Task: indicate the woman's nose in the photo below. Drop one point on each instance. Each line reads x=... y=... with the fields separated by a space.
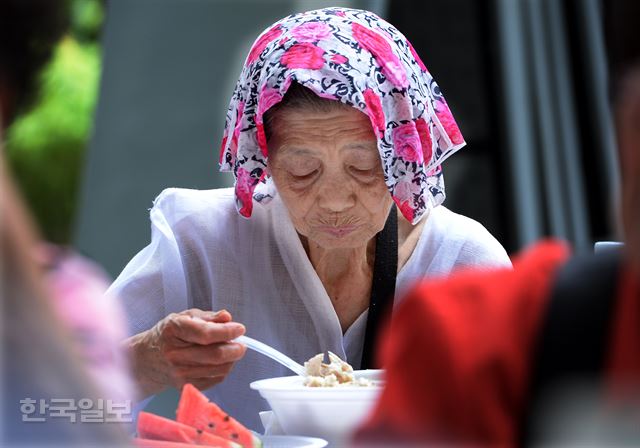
x=336 y=195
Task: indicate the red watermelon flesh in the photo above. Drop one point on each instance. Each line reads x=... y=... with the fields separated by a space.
x=195 y=409
x=150 y=443
x=151 y=426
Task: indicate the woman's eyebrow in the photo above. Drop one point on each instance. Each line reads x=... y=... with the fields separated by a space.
x=364 y=145
x=296 y=151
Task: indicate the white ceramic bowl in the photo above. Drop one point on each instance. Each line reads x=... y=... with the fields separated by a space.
x=331 y=413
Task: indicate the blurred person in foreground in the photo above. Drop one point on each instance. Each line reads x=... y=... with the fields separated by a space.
x=547 y=353
x=59 y=336
x=334 y=119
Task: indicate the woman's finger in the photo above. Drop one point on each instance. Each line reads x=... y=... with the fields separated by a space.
x=186 y=373
x=220 y=316
x=206 y=355
x=198 y=331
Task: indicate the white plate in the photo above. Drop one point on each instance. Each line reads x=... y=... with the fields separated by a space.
x=292 y=442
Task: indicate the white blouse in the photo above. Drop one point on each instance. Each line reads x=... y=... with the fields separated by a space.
x=203 y=254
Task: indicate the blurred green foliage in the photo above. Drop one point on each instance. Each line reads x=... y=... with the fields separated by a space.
x=46 y=143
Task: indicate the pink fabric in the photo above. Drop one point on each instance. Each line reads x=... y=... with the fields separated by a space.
x=94 y=320
x=407 y=142
x=375 y=111
x=262 y=42
x=425 y=138
x=311 y=31
x=339 y=59
x=304 y=55
x=380 y=48
x=268 y=98
x=244 y=188
x=450 y=126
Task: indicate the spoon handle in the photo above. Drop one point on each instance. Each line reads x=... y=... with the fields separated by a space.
x=272 y=353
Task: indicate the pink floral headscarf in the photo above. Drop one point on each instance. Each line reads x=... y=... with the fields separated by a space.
x=357 y=58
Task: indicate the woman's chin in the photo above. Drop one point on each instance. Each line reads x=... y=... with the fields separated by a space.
x=330 y=239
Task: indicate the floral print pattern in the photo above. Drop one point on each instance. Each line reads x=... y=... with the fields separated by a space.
x=375 y=111
x=355 y=57
x=381 y=50
x=304 y=55
x=311 y=31
x=262 y=42
x=425 y=138
x=406 y=142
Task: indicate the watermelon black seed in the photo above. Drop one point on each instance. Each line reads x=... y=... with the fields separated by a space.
x=226 y=418
x=234 y=435
x=211 y=425
x=199 y=431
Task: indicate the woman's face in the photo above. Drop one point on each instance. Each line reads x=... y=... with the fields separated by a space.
x=327 y=170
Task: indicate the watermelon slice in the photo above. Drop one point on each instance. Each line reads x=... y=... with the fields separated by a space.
x=150 y=443
x=195 y=409
x=151 y=426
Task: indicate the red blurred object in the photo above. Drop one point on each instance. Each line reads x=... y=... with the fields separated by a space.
x=459 y=353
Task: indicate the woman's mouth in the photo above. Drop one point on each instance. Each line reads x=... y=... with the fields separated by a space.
x=338 y=231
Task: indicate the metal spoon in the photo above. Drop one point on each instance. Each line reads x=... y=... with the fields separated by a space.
x=272 y=353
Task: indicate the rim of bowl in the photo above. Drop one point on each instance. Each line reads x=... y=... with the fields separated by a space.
x=283 y=383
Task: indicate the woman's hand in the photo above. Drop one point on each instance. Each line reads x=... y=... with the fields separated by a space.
x=188 y=347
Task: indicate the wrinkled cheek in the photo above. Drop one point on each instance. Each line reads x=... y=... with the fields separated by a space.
x=299 y=205
x=378 y=201
x=378 y=195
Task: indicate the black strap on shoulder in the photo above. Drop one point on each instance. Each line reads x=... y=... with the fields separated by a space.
x=383 y=287
x=574 y=334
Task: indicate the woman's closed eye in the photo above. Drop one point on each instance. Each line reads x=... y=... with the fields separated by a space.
x=304 y=175
x=363 y=170
x=302 y=179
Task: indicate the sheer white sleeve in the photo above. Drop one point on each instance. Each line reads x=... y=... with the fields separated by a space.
x=153 y=284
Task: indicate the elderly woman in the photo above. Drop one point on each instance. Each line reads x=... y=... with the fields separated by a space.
x=335 y=135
